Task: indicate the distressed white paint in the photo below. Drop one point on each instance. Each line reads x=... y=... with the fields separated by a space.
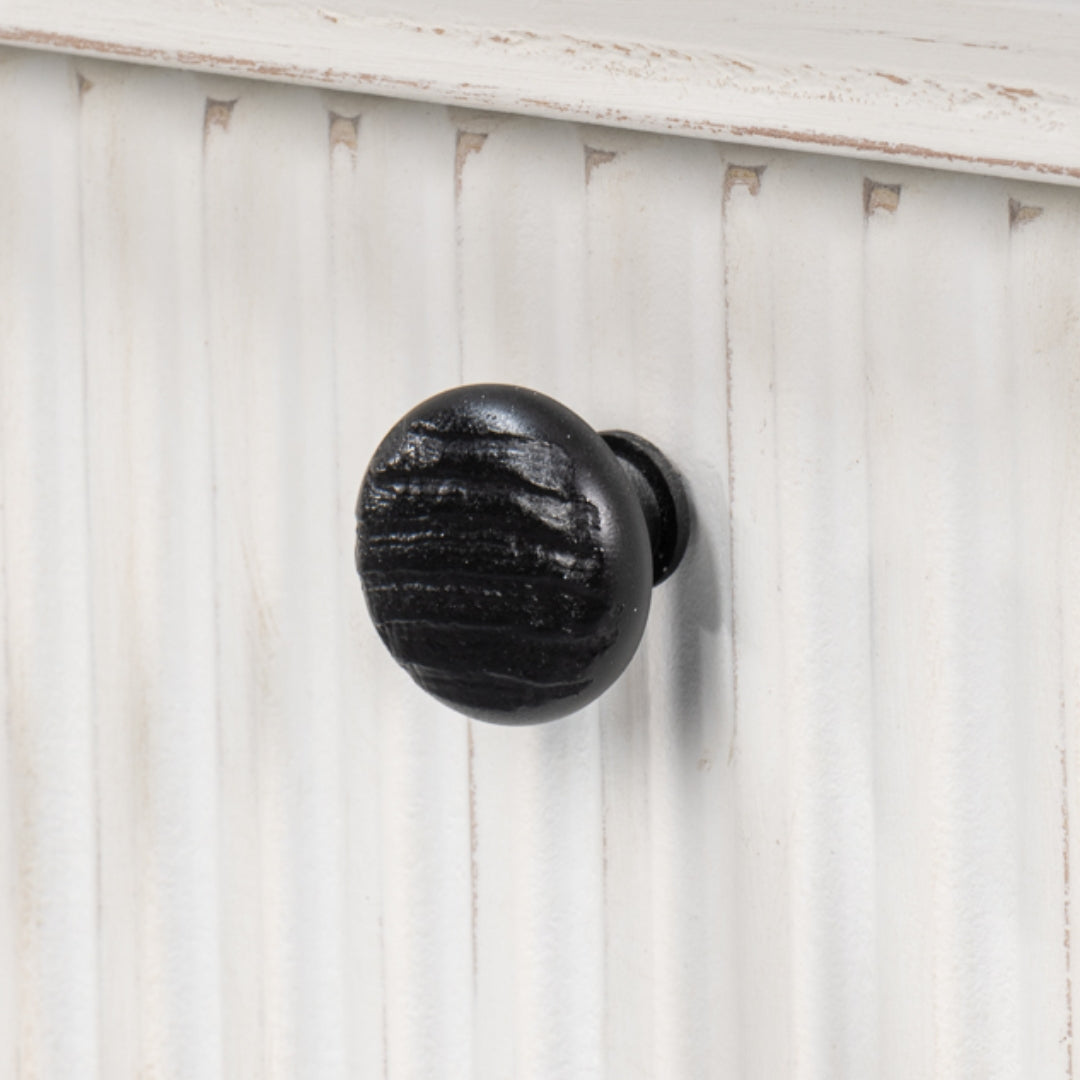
x=988 y=86
x=821 y=827
x=49 y=905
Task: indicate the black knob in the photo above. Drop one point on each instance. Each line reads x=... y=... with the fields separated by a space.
x=508 y=551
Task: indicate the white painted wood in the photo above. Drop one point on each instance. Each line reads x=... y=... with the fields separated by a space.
x=1044 y=263
x=978 y=85
x=149 y=489
x=822 y=826
x=49 y=793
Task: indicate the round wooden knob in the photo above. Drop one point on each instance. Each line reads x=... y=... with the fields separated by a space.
x=507 y=551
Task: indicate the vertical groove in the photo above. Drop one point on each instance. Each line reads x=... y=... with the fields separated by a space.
x=593 y=159
x=9 y=966
x=731 y=496
x=84 y=85
x=1066 y=835
x=218 y=586
x=1067 y=904
x=474 y=865
x=383 y=1018
x=218 y=714
x=343 y=132
x=763 y=777
x=466 y=144
x=1066 y=832
x=241 y=966
x=871 y=627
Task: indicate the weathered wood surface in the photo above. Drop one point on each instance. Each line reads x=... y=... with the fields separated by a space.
x=987 y=86
x=823 y=825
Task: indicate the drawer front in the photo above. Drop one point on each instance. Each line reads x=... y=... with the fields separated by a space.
x=820 y=828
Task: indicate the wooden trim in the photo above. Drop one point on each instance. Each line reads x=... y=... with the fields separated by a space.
x=957 y=85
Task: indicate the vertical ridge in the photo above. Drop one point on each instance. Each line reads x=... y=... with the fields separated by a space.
x=270 y=330
x=761 y=777
x=823 y=606
x=950 y=684
x=360 y=779
x=148 y=463
x=241 y=862
x=1043 y=273
x=47 y=646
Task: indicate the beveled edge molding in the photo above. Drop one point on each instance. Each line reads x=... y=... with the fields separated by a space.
x=994 y=92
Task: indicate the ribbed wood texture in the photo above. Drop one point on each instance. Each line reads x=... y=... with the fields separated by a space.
x=822 y=826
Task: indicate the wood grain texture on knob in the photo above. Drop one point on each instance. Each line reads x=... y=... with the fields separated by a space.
x=504 y=553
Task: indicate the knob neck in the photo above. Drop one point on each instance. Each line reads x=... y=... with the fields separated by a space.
x=662 y=496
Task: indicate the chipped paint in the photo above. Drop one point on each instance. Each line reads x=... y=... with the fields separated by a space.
x=344 y=132
x=217 y=115
x=468 y=142
x=743 y=176
x=1013 y=91
x=880 y=197
x=594 y=159
x=1019 y=214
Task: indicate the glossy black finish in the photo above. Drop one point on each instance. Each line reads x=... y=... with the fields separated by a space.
x=508 y=552
x=661 y=495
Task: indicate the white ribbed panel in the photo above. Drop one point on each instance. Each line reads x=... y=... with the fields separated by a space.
x=49 y=899
x=821 y=827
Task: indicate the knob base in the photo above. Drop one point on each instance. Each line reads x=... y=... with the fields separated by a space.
x=660 y=491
